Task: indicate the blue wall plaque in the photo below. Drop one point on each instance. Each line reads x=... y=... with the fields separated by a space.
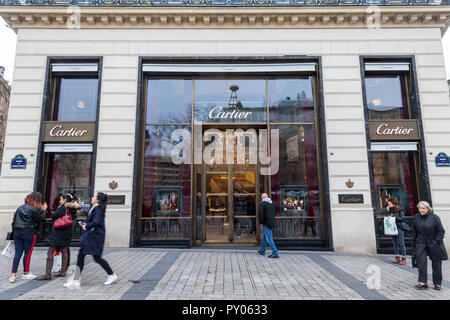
x=19 y=162
x=442 y=160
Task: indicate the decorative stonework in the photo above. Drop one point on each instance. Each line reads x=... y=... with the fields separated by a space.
x=221 y=3
x=256 y=17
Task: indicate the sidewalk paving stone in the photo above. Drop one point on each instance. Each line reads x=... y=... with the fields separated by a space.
x=206 y=274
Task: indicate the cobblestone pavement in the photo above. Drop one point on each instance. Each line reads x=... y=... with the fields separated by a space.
x=218 y=274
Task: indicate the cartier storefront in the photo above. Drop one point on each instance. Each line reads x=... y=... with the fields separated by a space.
x=215 y=140
x=184 y=114
x=66 y=152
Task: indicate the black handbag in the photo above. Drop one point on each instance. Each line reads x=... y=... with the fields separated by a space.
x=10 y=235
x=413 y=260
x=444 y=251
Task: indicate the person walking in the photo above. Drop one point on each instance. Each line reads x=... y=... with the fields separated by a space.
x=73 y=207
x=25 y=222
x=398 y=240
x=428 y=240
x=59 y=240
x=266 y=215
x=92 y=241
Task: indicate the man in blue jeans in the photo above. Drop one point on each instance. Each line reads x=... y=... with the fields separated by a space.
x=266 y=217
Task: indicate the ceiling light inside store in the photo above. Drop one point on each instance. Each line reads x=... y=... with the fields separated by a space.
x=376 y=102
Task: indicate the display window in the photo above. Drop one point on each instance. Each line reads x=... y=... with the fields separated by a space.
x=394 y=159
x=67 y=151
x=230 y=113
x=76 y=99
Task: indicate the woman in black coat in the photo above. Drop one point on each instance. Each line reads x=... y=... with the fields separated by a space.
x=59 y=239
x=428 y=240
x=92 y=241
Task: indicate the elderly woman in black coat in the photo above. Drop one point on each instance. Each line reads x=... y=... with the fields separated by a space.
x=428 y=240
x=59 y=239
x=92 y=241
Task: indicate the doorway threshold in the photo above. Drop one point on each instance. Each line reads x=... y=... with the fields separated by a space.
x=228 y=246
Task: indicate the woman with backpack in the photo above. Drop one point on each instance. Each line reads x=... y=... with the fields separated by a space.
x=59 y=240
x=92 y=241
x=26 y=219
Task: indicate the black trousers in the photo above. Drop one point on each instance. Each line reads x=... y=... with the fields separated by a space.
x=98 y=259
x=422 y=264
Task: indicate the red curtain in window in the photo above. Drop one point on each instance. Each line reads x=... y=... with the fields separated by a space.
x=410 y=184
x=55 y=179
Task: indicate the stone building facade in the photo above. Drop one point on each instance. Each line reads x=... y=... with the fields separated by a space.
x=107 y=86
x=5 y=90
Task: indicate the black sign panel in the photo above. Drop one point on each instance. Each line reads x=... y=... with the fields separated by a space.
x=116 y=199
x=351 y=198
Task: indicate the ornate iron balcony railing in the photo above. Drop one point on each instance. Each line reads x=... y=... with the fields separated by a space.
x=222 y=3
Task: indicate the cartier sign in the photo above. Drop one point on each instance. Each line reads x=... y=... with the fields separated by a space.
x=56 y=131
x=394 y=130
x=218 y=113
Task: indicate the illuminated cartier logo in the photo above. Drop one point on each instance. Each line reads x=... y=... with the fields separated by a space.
x=234 y=109
x=399 y=130
x=235 y=114
x=58 y=131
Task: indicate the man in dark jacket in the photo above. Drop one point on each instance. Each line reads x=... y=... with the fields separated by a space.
x=266 y=217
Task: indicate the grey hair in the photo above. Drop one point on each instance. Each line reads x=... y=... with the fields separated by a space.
x=425 y=204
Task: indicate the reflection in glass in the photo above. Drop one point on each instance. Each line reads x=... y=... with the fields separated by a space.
x=386 y=97
x=76 y=99
x=297 y=228
x=244 y=210
x=217 y=183
x=217 y=206
x=166 y=189
x=165 y=229
x=241 y=147
x=217 y=229
x=237 y=100
x=394 y=175
x=244 y=182
x=298 y=168
x=69 y=173
x=169 y=100
x=217 y=223
x=291 y=99
x=198 y=204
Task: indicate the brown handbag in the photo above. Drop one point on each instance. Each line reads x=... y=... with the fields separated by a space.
x=63 y=221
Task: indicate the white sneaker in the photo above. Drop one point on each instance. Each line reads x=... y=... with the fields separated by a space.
x=29 y=276
x=111 y=279
x=72 y=284
x=12 y=279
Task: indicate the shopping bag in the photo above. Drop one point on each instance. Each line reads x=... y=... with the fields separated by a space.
x=10 y=250
x=390 y=227
x=57 y=261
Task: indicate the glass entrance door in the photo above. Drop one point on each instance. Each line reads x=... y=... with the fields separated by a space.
x=231 y=189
